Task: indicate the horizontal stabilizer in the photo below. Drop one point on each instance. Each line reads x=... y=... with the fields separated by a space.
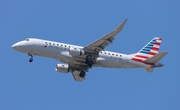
x=156 y=58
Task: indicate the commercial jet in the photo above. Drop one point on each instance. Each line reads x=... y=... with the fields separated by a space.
x=78 y=60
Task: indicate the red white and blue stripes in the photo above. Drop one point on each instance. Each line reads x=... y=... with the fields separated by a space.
x=149 y=50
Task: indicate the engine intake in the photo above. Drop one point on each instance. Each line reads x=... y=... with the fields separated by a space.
x=75 y=52
x=64 y=68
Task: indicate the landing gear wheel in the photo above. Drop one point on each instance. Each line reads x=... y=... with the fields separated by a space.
x=30 y=60
x=31 y=55
x=89 y=62
x=82 y=74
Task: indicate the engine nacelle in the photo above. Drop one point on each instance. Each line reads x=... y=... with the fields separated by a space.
x=75 y=52
x=64 y=68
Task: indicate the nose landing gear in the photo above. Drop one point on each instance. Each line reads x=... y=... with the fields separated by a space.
x=31 y=55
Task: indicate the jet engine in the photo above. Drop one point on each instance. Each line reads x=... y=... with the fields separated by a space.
x=64 y=68
x=75 y=52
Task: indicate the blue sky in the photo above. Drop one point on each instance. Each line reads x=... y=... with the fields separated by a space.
x=36 y=86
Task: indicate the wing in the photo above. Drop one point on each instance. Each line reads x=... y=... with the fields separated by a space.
x=77 y=69
x=92 y=52
x=103 y=42
x=77 y=76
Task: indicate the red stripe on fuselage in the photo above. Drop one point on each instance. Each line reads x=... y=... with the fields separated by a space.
x=141 y=56
x=136 y=59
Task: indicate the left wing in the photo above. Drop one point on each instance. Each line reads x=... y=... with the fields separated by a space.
x=103 y=42
x=77 y=76
x=76 y=70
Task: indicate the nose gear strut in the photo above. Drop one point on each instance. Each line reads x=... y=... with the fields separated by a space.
x=31 y=55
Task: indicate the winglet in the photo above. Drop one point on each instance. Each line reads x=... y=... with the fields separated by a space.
x=120 y=27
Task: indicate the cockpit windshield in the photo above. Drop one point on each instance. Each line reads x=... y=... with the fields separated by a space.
x=26 y=39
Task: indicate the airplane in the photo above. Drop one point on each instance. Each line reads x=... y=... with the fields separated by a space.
x=78 y=60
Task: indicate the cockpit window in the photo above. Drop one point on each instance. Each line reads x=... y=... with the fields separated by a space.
x=26 y=39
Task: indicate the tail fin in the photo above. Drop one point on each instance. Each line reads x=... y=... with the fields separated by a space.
x=152 y=47
x=149 y=50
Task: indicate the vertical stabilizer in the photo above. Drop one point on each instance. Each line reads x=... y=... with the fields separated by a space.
x=149 y=50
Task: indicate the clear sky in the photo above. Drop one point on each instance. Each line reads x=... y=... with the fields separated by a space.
x=37 y=86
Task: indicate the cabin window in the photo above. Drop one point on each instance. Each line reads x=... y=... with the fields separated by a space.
x=109 y=53
x=120 y=55
x=112 y=54
x=116 y=54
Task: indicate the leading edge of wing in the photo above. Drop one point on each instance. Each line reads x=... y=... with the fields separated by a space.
x=112 y=34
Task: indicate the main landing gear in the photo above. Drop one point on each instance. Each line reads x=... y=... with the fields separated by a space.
x=89 y=62
x=82 y=74
x=31 y=55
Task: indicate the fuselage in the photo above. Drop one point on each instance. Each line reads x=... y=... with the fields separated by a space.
x=60 y=51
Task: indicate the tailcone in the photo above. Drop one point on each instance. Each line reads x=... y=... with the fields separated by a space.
x=158 y=65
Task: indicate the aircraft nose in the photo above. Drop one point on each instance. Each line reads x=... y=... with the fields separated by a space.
x=15 y=46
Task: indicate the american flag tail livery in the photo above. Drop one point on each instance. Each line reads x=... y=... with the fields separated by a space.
x=149 y=54
x=149 y=50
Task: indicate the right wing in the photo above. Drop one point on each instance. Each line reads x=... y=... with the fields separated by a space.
x=103 y=42
x=92 y=52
